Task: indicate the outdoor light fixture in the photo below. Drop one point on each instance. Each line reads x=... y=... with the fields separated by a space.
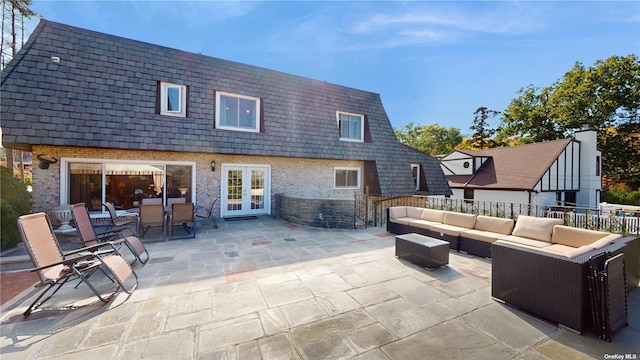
x=45 y=161
x=213 y=165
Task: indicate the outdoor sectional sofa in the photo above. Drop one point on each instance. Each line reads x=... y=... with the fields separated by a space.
x=464 y=232
x=538 y=265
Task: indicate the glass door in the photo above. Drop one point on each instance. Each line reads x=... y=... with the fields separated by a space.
x=246 y=191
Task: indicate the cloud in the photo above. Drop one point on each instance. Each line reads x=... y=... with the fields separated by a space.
x=387 y=25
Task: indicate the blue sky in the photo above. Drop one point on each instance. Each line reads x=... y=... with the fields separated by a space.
x=430 y=61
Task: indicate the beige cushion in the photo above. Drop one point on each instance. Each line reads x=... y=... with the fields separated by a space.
x=401 y=220
x=424 y=224
x=414 y=212
x=544 y=243
x=447 y=229
x=459 y=219
x=575 y=237
x=524 y=241
x=567 y=251
x=535 y=228
x=607 y=240
x=397 y=212
x=486 y=236
x=433 y=215
x=494 y=224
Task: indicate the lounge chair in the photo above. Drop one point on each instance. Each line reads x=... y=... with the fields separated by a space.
x=56 y=268
x=115 y=237
x=183 y=214
x=207 y=213
x=119 y=222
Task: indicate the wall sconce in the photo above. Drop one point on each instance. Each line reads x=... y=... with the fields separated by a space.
x=213 y=165
x=45 y=161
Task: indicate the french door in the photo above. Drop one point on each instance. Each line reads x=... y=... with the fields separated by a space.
x=246 y=190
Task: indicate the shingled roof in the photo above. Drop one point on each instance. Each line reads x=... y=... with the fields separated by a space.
x=511 y=168
x=103 y=90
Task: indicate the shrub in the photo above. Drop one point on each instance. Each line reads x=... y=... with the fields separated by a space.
x=621 y=197
x=15 y=201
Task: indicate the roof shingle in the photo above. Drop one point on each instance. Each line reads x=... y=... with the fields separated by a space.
x=104 y=89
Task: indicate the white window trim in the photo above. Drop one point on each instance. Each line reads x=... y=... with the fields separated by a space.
x=237 y=128
x=335 y=170
x=416 y=166
x=338 y=113
x=64 y=174
x=163 y=99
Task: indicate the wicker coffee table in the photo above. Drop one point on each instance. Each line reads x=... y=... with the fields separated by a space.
x=422 y=250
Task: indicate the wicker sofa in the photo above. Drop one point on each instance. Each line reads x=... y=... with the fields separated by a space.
x=464 y=232
x=554 y=285
x=538 y=265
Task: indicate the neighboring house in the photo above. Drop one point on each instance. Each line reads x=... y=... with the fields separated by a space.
x=555 y=173
x=129 y=120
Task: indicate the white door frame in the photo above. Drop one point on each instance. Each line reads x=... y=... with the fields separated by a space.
x=246 y=198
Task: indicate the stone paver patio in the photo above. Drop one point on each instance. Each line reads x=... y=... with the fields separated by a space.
x=267 y=289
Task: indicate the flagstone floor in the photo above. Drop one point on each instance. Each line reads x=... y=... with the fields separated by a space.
x=267 y=289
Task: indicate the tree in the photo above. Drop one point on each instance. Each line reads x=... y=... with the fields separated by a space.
x=13 y=11
x=432 y=139
x=13 y=30
x=529 y=116
x=605 y=96
x=481 y=138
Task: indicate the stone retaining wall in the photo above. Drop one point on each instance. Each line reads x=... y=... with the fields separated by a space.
x=322 y=213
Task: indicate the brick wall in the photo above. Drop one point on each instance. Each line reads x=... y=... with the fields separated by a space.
x=304 y=178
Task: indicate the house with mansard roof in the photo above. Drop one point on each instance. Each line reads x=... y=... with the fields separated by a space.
x=127 y=120
x=563 y=172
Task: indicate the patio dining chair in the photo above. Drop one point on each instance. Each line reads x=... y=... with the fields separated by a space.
x=152 y=216
x=207 y=213
x=182 y=214
x=152 y=201
x=119 y=222
x=115 y=237
x=55 y=268
x=180 y=200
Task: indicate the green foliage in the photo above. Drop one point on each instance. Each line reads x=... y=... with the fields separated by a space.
x=15 y=201
x=621 y=197
x=605 y=96
x=481 y=138
x=431 y=139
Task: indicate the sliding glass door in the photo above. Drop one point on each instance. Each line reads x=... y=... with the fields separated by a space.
x=125 y=184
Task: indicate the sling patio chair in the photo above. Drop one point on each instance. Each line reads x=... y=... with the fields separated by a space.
x=207 y=213
x=152 y=215
x=115 y=237
x=119 y=222
x=55 y=268
x=182 y=214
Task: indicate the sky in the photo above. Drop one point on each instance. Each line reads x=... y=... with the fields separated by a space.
x=431 y=62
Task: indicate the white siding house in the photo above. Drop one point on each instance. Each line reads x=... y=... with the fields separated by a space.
x=563 y=172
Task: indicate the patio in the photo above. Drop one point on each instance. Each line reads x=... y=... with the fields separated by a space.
x=267 y=289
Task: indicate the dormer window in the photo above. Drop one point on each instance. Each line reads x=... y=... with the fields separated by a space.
x=173 y=99
x=351 y=126
x=237 y=112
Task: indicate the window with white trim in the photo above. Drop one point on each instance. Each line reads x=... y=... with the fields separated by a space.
x=415 y=171
x=347 y=178
x=173 y=99
x=351 y=126
x=237 y=112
